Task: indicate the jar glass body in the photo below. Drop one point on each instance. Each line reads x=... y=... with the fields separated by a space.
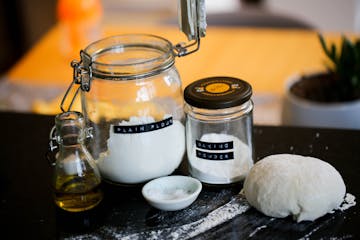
x=219 y=143
x=135 y=108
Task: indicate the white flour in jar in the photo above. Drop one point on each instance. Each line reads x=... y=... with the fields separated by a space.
x=221 y=171
x=138 y=157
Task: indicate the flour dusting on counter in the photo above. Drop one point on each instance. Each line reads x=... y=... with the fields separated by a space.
x=235 y=207
x=257 y=230
x=349 y=201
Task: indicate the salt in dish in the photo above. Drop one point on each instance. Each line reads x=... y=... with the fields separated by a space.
x=172 y=193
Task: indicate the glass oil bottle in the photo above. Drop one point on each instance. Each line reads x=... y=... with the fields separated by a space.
x=76 y=178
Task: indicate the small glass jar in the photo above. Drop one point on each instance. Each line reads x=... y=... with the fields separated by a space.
x=219 y=129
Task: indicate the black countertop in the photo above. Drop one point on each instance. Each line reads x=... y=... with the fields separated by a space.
x=27 y=210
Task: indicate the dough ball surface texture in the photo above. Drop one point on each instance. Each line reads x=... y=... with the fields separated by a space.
x=286 y=184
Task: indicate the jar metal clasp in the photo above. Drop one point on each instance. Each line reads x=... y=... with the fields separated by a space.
x=82 y=74
x=192 y=21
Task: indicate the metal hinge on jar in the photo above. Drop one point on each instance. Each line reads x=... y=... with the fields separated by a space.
x=192 y=22
x=82 y=74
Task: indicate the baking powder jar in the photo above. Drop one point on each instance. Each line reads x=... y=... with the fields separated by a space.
x=219 y=129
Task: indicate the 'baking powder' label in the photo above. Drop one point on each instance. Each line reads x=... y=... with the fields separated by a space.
x=129 y=129
x=214 y=145
x=214 y=150
x=215 y=155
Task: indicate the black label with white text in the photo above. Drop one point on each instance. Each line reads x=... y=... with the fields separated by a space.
x=215 y=155
x=129 y=129
x=214 y=145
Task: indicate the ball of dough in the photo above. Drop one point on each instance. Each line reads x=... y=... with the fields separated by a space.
x=285 y=184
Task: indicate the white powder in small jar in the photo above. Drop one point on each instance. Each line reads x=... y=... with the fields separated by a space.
x=137 y=157
x=221 y=171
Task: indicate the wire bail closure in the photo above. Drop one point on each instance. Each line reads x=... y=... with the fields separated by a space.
x=82 y=74
x=183 y=49
x=192 y=22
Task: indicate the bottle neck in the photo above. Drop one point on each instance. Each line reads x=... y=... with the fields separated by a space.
x=72 y=139
x=70 y=129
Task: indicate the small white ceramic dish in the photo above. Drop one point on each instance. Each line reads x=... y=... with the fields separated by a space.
x=172 y=193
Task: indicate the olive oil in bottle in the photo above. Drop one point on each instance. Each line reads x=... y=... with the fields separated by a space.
x=76 y=194
x=76 y=178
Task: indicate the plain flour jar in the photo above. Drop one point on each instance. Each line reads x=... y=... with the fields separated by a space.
x=219 y=129
x=131 y=96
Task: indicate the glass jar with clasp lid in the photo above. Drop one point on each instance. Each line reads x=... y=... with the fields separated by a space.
x=131 y=96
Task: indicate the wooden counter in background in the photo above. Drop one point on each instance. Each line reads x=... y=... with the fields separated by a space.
x=263 y=57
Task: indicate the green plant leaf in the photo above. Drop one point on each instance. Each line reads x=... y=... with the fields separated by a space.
x=357 y=57
x=355 y=81
x=333 y=53
x=329 y=53
x=346 y=67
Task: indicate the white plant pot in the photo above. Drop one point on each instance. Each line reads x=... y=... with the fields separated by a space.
x=301 y=112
